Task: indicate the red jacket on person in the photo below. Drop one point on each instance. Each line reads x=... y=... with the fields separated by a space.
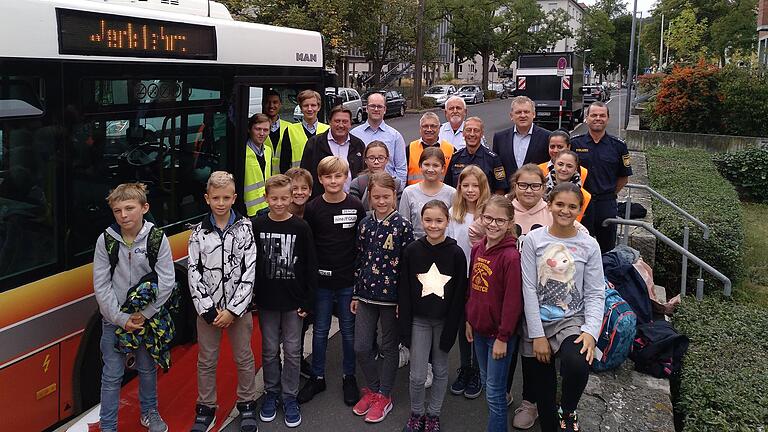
x=495 y=300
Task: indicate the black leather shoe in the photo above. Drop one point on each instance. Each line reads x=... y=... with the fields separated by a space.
x=312 y=387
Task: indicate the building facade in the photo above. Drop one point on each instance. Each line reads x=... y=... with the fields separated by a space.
x=575 y=12
x=762 y=32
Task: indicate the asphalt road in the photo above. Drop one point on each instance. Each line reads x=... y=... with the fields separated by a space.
x=327 y=412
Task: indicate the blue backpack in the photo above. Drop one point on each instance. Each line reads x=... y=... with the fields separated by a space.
x=616 y=333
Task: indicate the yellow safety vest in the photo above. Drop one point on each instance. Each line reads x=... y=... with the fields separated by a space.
x=277 y=148
x=254 y=191
x=299 y=140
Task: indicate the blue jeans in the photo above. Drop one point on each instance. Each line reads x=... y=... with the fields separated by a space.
x=112 y=378
x=494 y=374
x=324 y=303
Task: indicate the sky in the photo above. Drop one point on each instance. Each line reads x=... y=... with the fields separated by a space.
x=642 y=5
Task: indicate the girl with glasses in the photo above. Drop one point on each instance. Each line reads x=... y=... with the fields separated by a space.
x=563 y=288
x=494 y=305
x=376 y=157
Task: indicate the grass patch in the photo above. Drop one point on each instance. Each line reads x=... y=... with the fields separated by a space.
x=754 y=287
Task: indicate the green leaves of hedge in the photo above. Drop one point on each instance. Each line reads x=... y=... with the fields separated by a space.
x=747 y=170
x=725 y=373
x=689 y=178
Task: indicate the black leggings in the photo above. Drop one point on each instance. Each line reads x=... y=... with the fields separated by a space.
x=527 y=390
x=574 y=371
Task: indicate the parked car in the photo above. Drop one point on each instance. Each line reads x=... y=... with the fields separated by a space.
x=471 y=94
x=348 y=97
x=440 y=93
x=396 y=103
x=592 y=93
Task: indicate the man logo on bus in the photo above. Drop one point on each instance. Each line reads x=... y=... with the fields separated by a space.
x=306 y=57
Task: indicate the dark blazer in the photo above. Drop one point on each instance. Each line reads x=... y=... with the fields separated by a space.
x=317 y=148
x=538 y=149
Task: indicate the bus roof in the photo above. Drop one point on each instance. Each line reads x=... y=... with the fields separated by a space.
x=119 y=31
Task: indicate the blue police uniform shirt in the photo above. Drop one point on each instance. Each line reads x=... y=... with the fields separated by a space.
x=488 y=161
x=606 y=160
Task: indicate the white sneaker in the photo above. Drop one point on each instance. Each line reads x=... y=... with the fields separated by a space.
x=430 y=376
x=405 y=356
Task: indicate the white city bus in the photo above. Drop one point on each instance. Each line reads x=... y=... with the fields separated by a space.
x=93 y=94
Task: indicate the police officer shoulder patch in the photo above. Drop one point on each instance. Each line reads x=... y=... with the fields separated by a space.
x=498 y=172
x=627 y=160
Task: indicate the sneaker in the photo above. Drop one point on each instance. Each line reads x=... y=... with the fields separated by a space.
x=460 y=384
x=269 y=407
x=510 y=398
x=525 y=415
x=415 y=423
x=351 y=392
x=205 y=418
x=292 y=412
x=404 y=357
x=312 y=387
x=474 y=387
x=430 y=376
x=364 y=404
x=379 y=409
x=432 y=423
x=248 y=422
x=306 y=368
x=152 y=421
x=568 y=422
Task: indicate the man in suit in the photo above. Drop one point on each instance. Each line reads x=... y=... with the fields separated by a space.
x=524 y=142
x=337 y=141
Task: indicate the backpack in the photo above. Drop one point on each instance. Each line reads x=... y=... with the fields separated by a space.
x=658 y=349
x=616 y=333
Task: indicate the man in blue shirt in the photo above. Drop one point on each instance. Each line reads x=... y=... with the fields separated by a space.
x=376 y=129
x=476 y=154
x=609 y=164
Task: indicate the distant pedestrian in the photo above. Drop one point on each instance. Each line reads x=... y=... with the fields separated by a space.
x=610 y=165
x=431 y=299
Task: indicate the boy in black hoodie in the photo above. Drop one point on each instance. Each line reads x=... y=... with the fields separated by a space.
x=431 y=300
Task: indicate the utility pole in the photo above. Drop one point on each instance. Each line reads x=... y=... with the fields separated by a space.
x=661 y=43
x=637 y=54
x=631 y=65
x=418 y=66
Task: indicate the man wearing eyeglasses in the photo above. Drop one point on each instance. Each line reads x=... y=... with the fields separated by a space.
x=476 y=154
x=374 y=129
x=429 y=127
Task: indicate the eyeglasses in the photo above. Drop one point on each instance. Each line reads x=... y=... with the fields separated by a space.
x=430 y=126
x=532 y=186
x=376 y=107
x=376 y=159
x=492 y=220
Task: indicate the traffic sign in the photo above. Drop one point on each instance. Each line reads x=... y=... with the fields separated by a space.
x=521 y=83
x=562 y=63
x=566 y=83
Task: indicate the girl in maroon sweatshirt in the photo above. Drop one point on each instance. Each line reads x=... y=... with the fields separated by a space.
x=495 y=304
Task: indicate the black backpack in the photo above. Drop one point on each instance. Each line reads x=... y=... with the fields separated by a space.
x=154 y=240
x=658 y=349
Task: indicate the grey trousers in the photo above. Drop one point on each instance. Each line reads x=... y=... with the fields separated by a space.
x=425 y=339
x=276 y=328
x=209 y=344
x=380 y=377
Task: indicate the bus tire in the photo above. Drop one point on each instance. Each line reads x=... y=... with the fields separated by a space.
x=87 y=380
x=185 y=319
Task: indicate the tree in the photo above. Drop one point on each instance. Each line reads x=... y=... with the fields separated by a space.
x=685 y=35
x=596 y=34
x=385 y=31
x=502 y=27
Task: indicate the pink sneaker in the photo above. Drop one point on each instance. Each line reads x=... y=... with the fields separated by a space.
x=525 y=415
x=380 y=407
x=364 y=404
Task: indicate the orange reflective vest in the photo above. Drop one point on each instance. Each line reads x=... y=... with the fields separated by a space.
x=582 y=172
x=414 y=153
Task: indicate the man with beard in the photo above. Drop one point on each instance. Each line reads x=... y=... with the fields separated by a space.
x=609 y=164
x=452 y=131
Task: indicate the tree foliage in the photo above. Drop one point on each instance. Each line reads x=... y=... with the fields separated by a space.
x=685 y=35
x=597 y=35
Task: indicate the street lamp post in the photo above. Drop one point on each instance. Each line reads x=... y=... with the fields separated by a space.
x=631 y=65
x=637 y=54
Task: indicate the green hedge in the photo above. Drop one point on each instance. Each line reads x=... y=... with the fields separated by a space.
x=428 y=102
x=747 y=170
x=724 y=383
x=689 y=178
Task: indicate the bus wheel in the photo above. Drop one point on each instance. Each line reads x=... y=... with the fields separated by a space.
x=184 y=319
x=87 y=383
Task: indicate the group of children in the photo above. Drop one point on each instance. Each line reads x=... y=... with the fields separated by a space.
x=442 y=263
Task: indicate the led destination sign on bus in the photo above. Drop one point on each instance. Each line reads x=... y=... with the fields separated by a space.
x=89 y=33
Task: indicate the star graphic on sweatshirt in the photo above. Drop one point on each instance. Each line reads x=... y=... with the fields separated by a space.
x=433 y=282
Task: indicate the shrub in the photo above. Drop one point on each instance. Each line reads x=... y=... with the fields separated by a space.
x=745 y=94
x=649 y=83
x=490 y=94
x=688 y=100
x=747 y=170
x=428 y=102
x=724 y=386
x=689 y=178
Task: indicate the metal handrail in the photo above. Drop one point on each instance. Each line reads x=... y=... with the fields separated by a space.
x=686 y=231
x=671 y=243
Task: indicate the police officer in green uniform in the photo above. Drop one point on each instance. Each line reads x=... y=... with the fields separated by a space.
x=609 y=164
x=477 y=154
x=258 y=164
